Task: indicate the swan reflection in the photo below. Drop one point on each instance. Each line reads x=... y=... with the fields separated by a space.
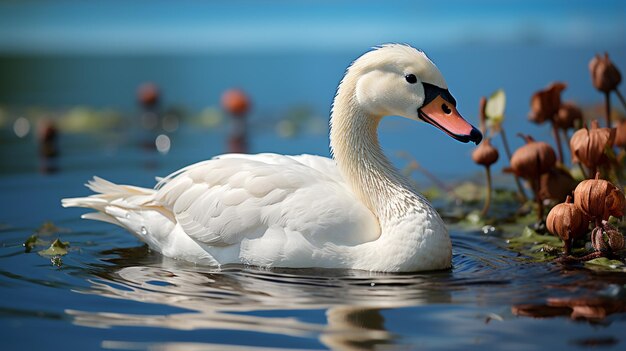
x=238 y=298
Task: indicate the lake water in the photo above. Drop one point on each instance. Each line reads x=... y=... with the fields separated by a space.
x=277 y=81
x=110 y=292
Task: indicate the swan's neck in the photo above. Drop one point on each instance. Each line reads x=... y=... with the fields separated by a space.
x=355 y=147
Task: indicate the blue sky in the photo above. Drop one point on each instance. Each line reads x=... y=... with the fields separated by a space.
x=187 y=26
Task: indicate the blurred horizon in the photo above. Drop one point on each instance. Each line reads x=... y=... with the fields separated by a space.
x=289 y=56
x=162 y=27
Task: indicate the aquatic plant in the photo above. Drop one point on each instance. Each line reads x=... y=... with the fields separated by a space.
x=148 y=95
x=492 y=115
x=545 y=105
x=569 y=116
x=620 y=134
x=568 y=222
x=235 y=102
x=591 y=146
x=485 y=154
x=530 y=162
x=556 y=184
x=606 y=77
x=599 y=199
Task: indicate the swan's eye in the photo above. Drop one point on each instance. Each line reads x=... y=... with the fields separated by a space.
x=411 y=78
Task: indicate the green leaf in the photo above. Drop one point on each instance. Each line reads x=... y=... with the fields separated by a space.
x=56 y=248
x=533 y=244
x=494 y=110
x=31 y=242
x=604 y=264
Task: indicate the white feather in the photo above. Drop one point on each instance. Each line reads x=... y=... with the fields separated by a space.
x=354 y=211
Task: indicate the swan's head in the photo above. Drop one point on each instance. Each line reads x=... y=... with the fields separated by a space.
x=402 y=81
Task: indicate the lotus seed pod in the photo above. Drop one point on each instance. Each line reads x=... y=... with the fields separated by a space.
x=568 y=114
x=616 y=239
x=545 y=103
x=620 y=134
x=604 y=74
x=597 y=240
x=615 y=202
x=567 y=222
x=533 y=159
x=589 y=146
x=599 y=199
x=556 y=184
x=485 y=154
x=148 y=94
x=235 y=102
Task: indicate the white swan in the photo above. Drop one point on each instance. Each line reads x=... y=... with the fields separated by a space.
x=270 y=210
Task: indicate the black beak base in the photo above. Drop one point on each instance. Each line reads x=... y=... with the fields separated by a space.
x=476 y=136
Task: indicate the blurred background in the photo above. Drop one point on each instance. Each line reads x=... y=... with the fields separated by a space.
x=100 y=78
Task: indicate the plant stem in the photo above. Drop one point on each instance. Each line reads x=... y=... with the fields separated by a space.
x=557 y=139
x=621 y=97
x=567 y=246
x=607 y=105
x=536 y=185
x=592 y=172
x=520 y=190
x=582 y=170
x=506 y=144
x=483 y=213
x=566 y=138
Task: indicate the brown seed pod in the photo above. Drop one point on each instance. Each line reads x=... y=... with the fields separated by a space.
x=599 y=199
x=597 y=239
x=556 y=184
x=485 y=154
x=567 y=115
x=589 y=146
x=620 y=134
x=568 y=222
x=235 y=102
x=615 y=203
x=148 y=94
x=604 y=74
x=615 y=238
x=532 y=159
x=545 y=103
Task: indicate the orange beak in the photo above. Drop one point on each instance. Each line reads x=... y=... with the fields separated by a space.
x=443 y=114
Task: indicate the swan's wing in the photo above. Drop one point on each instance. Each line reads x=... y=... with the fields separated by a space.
x=325 y=165
x=235 y=197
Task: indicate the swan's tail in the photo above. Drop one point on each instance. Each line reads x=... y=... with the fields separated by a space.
x=131 y=207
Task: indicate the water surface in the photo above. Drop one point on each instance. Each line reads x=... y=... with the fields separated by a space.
x=111 y=292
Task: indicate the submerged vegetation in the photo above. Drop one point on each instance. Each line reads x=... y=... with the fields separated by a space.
x=584 y=195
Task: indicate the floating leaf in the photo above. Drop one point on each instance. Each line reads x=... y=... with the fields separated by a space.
x=494 y=110
x=56 y=248
x=31 y=242
x=531 y=243
x=605 y=264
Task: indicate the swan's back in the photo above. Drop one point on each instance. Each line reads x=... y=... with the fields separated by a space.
x=262 y=209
